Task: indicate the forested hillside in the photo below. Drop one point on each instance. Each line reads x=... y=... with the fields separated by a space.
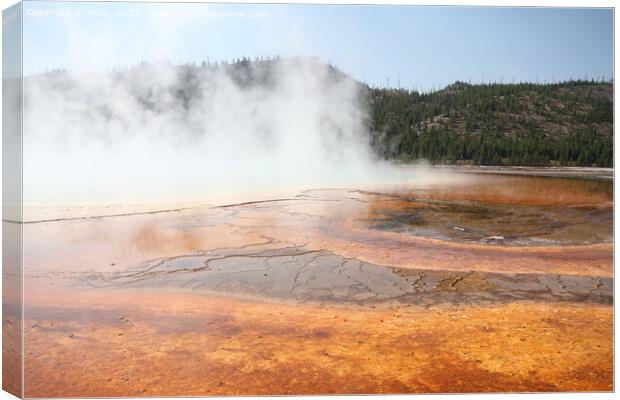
x=569 y=123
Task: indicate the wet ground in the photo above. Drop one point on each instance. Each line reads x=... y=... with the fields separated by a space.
x=456 y=283
x=296 y=273
x=502 y=210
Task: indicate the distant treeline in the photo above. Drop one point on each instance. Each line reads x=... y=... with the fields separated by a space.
x=569 y=123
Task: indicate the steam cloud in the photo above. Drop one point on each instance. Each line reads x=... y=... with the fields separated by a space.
x=160 y=132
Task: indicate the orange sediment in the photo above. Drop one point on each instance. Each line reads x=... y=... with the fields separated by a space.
x=113 y=307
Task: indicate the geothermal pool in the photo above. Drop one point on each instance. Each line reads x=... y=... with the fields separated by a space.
x=502 y=210
x=466 y=282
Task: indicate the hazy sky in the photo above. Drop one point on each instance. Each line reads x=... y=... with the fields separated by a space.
x=418 y=47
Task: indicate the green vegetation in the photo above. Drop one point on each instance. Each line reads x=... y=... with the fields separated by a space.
x=569 y=123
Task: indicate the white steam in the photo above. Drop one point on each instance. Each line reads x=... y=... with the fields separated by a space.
x=160 y=132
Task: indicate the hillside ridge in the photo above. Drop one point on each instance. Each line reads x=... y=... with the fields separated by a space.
x=554 y=124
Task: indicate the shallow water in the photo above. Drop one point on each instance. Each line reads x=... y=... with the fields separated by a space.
x=501 y=210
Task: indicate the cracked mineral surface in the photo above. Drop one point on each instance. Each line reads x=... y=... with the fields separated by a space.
x=306 y=275
x=505 y=281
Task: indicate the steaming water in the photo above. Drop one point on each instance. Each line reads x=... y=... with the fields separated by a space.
x=159 y=132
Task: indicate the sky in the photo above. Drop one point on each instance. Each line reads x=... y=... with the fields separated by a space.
x=412 y=47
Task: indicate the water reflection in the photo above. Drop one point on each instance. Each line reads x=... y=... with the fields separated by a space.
x=507 y=210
